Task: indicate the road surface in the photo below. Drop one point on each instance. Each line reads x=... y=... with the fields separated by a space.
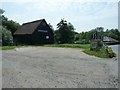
x=48 y=67
x=116 y=49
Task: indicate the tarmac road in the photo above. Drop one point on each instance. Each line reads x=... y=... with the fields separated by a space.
x=48 y=67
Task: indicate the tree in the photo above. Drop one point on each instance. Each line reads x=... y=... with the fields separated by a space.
x=113 y=33
x=57 y=36
x=100 y=32
x=100 y=29
x=83 y=35
x=96 y=33
x=1 y=11
x=51 y=27
x=77 y=36
x=65 y=32
x=10 y=25
x=7 y=38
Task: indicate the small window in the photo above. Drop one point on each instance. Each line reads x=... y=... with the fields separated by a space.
x=47 y=37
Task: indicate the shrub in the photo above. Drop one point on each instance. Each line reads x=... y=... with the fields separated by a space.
x=7 y=38
x=110 y=52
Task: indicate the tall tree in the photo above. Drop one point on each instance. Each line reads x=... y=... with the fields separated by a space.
x=96 y=33
x=1 y=12
x=65 y=32
x=10 y=25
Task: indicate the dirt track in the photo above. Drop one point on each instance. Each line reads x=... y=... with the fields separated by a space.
x=46 y=67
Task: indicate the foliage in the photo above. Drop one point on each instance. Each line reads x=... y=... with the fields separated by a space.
x=7 y=38
x=77 y=37
x=97 y=33
x=1 y=11
x=113 y=33
x=100 y=53
x=96 y=53
x=65 y=32
x=10 y=24
x=110 y=52
x=51 y=27
x=85 y=37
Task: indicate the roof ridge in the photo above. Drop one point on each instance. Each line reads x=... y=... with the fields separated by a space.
x=33 y=21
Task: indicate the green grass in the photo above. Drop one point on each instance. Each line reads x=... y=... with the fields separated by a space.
x=83 y=46
x=99 y=53
x=7 y=47
x=11 y=47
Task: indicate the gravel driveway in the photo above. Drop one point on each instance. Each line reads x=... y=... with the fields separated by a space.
x=47 y=67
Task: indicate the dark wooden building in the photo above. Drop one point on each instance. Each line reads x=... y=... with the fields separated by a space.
x=36 y=32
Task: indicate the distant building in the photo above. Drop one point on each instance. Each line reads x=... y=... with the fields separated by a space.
x=36 y=32
x=109 y=40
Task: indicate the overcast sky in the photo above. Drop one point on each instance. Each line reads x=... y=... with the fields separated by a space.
x=83 y=14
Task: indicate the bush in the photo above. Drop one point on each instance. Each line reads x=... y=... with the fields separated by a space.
x=7 y=38
x=110 y=52
x=101 y=52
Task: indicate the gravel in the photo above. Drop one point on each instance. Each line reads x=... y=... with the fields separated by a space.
x=50 y=67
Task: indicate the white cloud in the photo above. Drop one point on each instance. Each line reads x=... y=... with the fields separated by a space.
x=83 y=15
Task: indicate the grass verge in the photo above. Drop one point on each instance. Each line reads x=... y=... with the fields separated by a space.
x=83 y=46
x=97 y=53
x=7 y=47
